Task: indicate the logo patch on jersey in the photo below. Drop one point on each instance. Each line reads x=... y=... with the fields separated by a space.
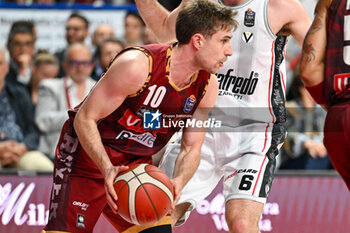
x=249 y=18
x=247 y=37
x=131 y=121
x=81 y=221
x=146 y=139
x=341 y=82
x=151 y=120
x=189 y=103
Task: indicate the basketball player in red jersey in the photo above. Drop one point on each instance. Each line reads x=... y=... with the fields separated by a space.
x=119 y=123
x=325 y=70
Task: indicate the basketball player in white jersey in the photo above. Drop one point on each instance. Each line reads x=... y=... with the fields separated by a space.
x=250 y=105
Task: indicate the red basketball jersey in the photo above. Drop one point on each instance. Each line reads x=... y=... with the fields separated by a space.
x=337 y=70
x=136 y=127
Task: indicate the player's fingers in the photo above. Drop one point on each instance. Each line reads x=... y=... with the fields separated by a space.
x=110 y=188
x=176 y=200
x=111 y=200
x=112 y=204
x=122 y=168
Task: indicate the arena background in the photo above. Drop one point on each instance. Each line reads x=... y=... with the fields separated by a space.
x=307 y=202
x=299 y=202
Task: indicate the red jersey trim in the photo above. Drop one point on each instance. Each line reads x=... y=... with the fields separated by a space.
x=150 y=59
x=167 y=72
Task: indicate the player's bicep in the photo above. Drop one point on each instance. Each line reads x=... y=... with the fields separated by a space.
x=126 y=76
x=211 y=94
x=300 y=23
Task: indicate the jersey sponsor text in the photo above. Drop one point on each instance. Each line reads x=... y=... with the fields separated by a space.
x=237 y=85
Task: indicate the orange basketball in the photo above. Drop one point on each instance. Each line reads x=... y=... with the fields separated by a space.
x=145 y=194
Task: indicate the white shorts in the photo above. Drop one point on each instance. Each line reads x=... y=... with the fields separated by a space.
x=245 y=159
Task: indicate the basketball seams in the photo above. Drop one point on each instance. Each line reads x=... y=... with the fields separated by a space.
x=144 y=180
x=160 y=184
x=142 y=185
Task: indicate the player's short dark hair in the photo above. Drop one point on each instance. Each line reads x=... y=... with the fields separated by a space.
x=21 y=26
x=79 y=16
x=204 y=17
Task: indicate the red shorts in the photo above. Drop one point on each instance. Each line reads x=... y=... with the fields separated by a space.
x=337 y=139
x=78 y=195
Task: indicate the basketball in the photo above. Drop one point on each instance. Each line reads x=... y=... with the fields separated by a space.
x=145 y=194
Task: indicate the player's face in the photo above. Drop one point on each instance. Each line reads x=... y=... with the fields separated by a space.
x=216 y=50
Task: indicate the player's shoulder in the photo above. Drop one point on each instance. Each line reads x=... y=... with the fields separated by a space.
x=285 y=5
x=132 y=58
x=130 y=68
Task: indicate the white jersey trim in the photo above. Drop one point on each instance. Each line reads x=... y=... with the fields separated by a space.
x=266 y=17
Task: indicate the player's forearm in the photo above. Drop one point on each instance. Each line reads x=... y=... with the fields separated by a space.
x=90 y=139
x=161 y=21
x=186 y=165
x=314 y=49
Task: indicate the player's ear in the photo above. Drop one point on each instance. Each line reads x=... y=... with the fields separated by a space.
x=197 y=40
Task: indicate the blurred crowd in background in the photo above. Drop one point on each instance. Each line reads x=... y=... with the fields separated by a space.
x=169 y=4
x=38 y=87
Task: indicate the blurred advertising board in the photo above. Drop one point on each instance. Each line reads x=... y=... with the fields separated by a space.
x=297 y=204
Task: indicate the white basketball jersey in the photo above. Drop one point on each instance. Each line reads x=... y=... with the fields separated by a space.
x=251 y=82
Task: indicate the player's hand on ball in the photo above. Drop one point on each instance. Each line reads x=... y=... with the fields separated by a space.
x=110 y=174
x=177 y=191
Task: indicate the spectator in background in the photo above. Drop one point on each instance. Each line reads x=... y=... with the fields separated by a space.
x=20 y=43
x=133 y=29
x=77 y=30
x=101 y=33
x=303 y=148
x=45 y=66
x=18 y=135
x=56 y=96
x=105 y=52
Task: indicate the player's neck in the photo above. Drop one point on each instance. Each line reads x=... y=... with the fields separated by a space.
x=182 y=66
x=234 y=2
